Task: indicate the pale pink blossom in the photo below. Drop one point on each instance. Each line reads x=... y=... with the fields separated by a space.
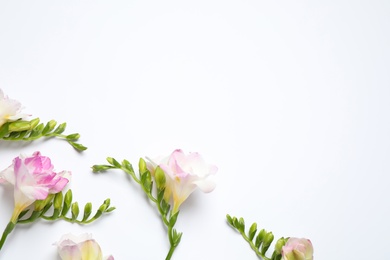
x=33 y=179
x=297 y=249
x=184 y=173
x=82 y=247
x=10 y=110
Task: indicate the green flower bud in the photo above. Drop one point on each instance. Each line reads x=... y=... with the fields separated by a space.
x=73 y=137
x=114 y=162
x=49 y=126
x=75 y=210
x=267 y=242
x=60 y=129
x=58 y=200
x=159 y=176
x=19 y=126
x=87 y=211
x=39 y=205
x=34 y=123
x=67 y=202
x=142 y=166
x=252 y=231
x=279 y=244
x=260 y=237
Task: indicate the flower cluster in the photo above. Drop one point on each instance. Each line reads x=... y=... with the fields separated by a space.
x=290 y=248
x=176 y=177
x=167 y=181
x=38 y=188
x=15 y=127
x=33 y=179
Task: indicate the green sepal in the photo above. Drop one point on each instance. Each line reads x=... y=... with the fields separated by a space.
x=172 y=220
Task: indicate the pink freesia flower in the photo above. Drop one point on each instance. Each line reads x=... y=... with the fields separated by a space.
x=9 y=109
x=33 y=179
x=83 y=247
x=184 y=173
x=297 y=249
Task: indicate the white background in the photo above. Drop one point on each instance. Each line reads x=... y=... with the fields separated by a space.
x=290 y=99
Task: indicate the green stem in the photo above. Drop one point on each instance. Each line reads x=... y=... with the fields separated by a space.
x=171 y=242
x=253 y=246
x=6 y=232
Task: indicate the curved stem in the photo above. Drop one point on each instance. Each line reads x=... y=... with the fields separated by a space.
x=6 y=232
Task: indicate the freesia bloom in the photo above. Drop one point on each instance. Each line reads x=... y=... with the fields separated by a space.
x=9 y=109
x=33 y=179
x=184 y=173
x=297 y=249
x=83 y=247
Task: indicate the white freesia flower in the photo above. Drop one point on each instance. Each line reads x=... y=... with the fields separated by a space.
x=10 y=110
x=184 y=173
x=83 y=247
